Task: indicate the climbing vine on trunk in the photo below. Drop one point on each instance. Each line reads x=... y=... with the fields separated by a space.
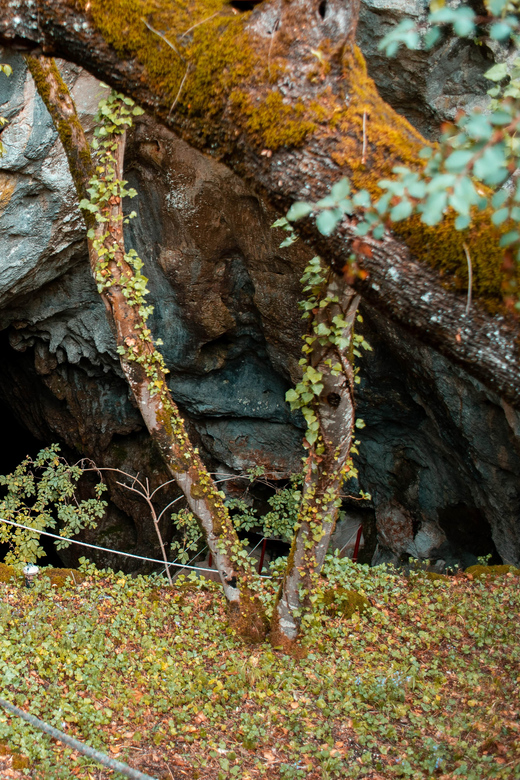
x=324 y=396
x=122 y=287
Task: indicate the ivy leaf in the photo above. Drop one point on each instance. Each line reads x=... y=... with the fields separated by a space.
x=497 y=72
x=457 y=161
x=291 y=396
x=299 y=210
x=326 y=222
x=340 y=190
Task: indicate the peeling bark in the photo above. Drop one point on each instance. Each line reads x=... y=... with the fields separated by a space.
x=158 y=410
x=251 y=90
x=325 y=470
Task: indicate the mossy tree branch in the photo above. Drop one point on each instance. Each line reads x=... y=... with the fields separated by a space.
x=141 y=363
x=281 y=95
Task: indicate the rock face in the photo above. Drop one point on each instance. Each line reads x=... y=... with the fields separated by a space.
x=427 y=87
x=439 y=453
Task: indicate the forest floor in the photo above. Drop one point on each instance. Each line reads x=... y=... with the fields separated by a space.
x=422 y=684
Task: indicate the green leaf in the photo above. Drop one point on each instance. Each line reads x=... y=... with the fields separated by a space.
x=457 y=161
x=499 y=198
x=299 y=210
x=462 y=222
x=401 y=211
x=326 y=222
x=340 y=190
x=491 y=167
x=478 y=127
x=497 y=72
x=433 y=209
x=509 y=238
x=500 y=216
x=500 y=31
x=292 y=396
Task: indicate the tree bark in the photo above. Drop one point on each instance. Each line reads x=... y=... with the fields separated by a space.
x=325 y=469
x=280 y=95
x=137 y=351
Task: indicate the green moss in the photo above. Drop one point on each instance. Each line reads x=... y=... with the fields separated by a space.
x=7 y=573
x=392 y=141
x=20 y=762
x=275 y=123
x=60 y=577
x=479 y=571
x=345 y=602
x=215 y=56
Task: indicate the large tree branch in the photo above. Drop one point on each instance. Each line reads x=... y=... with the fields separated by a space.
x=281 y=95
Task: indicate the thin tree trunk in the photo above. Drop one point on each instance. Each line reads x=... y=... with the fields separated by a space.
x=138 y=353
x=325 y=468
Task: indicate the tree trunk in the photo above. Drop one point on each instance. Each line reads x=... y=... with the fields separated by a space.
x=141 y=363
x=328 y=460
x=282 y=96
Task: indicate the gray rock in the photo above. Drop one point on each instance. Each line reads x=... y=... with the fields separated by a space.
x=439 y=454
x=428 y=87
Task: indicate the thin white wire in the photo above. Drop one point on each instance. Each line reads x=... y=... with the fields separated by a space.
x=107 y=549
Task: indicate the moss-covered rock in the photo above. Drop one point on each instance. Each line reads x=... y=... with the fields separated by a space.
x=7 y=573
x=340 y=601
x=479 y=571
x=61 y=577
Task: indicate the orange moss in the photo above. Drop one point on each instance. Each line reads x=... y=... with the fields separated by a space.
x=226 y=71
x=61 y=577
x=7 y=573
x=479 y=571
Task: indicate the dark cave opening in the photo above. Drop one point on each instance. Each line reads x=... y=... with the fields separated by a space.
x=18 y=443
x=468 y=533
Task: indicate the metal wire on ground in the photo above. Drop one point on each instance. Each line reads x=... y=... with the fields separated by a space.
x=107 y=549
x=75 y=744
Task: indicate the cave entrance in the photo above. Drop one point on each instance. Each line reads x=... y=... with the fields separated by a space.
x=469 y=533
x=17 y=443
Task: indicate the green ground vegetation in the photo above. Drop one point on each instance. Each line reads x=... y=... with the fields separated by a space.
x=421 y=681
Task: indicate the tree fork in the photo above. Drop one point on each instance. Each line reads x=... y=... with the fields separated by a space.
x=158 y=409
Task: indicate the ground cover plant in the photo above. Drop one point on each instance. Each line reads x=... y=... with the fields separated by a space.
x=400 y=676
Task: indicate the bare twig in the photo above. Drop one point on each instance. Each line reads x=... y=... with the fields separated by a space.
x=179 y=92
x=364 y=151
x=164 y=38
x=199 y=23
x=470 y=277
x=275 y=30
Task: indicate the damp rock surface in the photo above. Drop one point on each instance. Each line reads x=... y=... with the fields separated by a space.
x=439 y=453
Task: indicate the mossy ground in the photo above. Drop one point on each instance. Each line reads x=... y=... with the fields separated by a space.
x=492 y=571
x=423 y=684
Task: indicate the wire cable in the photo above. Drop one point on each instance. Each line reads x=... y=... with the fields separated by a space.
x=107 y=549
x=75 y=744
